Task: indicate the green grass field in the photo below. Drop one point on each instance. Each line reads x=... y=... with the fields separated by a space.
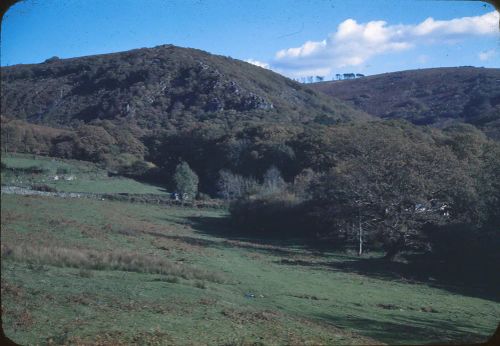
x=88 y=177
x=102 y=272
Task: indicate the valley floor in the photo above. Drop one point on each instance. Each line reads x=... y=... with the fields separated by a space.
x=85 y=271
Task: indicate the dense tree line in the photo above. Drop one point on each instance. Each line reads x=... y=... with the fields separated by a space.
x=389 y=185
x=385 y=184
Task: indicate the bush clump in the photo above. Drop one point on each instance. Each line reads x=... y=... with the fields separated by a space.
x=43 y=188
x=271 y=214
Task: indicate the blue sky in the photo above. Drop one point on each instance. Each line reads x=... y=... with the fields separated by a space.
x=295 y=38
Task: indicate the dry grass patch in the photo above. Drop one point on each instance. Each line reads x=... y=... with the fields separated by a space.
x=102 y=260
x=12 y=290
x=128 y=232
x=112 y=304
x=307 y=296
x=85 y=229
x=242 y=317
x=8 y=216
x=24 y=320
x=118 y=338
x=173 y=244
x=169 y=279
x=119 y=219
x=207 y=301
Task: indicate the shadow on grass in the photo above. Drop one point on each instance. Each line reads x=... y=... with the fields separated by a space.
x=274 y=244
x=410 y=329
x=223 y=242
x=471 y=277
x=475 y=280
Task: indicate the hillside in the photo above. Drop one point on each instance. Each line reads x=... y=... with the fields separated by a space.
x=219 y=203
x=438 y=96
x=157 y=87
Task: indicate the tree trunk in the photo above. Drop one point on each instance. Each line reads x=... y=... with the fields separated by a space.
x=360 y=235
x=391 y=253
x=394 y=248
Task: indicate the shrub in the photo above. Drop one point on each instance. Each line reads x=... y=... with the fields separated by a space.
x=200 y=284
x=203 y=197
x=280 y=213
x=186 y=180
x=232 y=186
x=172 y=279
x=43 y=188
x=62 y=170
x=273 y=182
x=33 y=170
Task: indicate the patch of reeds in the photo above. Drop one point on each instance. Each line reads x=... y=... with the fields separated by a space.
x=105 y=260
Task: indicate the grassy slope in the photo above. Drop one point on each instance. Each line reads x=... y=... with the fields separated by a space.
x=300 y=298
x=89 y=178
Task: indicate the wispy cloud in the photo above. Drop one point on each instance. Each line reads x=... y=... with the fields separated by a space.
x=487 y=55
x=353 y=43
x=258 y=63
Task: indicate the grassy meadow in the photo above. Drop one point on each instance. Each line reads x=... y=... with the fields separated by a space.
x=88 y=177
x=85 y=271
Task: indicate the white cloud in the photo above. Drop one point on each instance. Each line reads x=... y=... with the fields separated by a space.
x=308 y=48
x=258 y=63
x=487 y=55
x=353 y=43
x=479 y=25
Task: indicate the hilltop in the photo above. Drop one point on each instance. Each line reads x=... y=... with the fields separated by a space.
x=437 y=96
x=159 y=87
